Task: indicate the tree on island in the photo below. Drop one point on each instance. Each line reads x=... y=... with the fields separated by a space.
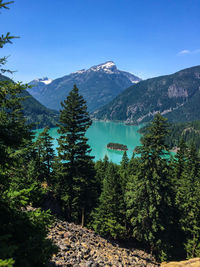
x=76 y=175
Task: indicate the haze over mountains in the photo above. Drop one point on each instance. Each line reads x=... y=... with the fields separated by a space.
x=175 y=96
x=98 y=85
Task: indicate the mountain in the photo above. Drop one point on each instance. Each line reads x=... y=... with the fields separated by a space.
x=175 y=96
x=98 y=85
x=35 y=112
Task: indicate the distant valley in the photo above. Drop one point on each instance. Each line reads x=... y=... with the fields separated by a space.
x=98 y=85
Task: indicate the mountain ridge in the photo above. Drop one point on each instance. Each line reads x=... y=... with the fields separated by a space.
x=98 y=85
x=175 y=96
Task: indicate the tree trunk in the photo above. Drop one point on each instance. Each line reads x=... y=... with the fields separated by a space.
x=83 y=217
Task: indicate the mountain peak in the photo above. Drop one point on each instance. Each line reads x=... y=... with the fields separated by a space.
x=108 y=66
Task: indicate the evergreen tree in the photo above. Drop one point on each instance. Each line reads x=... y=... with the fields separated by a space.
x=188 y=201
x=18 y=228
x=149 y=194
x=109 y=217
x=22 y=233
x=133 y=165
x=77 y=171
x=101 y=168
x=124 y=171
x=4 y=39
x=180 y=160
x=44 y=155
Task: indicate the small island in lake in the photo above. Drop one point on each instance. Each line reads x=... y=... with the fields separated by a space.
x=116 y=146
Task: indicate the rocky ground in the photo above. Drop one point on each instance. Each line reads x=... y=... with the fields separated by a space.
x=189 y=263
x=80 y=247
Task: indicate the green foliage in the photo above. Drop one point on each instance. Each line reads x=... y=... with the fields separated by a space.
x=188 y=201
x=4 y=39
x=124 y=171
x=149 y=199
x=76 y=169
x=7 y=263
x=12 y=122
x=109 y=217
x=44 y=156
x=36 y=114
x=189 y=132
x=101 y=167
x=22 y=233
x=23 y=236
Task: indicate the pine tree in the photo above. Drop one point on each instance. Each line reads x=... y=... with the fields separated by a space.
x=44 y=155
x=101 y=168
x=22 y=234
x=124 y=171
x=149 y=199
x=77 y=172
x=180 y=160
x=188 y=202
x=109 y=217
x=4 y=39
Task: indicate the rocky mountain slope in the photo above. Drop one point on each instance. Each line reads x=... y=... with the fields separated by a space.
x=98 y=85
x=35 y=112
x=80 y=247
x=175 y=96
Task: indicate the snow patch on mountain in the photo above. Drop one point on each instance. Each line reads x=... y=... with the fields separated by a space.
x=44 y=80
x=79 y=71
x=108 y=67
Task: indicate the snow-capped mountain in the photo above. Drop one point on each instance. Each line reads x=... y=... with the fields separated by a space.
x=110 y=68
x=98 y=85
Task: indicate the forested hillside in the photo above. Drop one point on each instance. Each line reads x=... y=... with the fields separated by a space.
x=175 y=96
x=35 y=112
x=150 y=201
x=188 y=131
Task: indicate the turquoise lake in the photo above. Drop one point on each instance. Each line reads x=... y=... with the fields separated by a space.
x=102 y=133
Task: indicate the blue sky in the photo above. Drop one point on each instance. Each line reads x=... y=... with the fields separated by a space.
x=146 y=37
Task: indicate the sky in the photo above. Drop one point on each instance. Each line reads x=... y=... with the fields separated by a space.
x=145 y=37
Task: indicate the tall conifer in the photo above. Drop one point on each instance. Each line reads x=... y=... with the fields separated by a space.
x=109 y=217
x=149 y=199
x=188 y=201
x=77 y=172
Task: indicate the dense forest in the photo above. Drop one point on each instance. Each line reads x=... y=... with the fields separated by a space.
x=189 y=132
x=152 y=200
x=149 y=199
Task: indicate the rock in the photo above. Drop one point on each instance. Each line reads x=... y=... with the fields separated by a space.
x=189 y=263
x=88 y=264
x=84 y=248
